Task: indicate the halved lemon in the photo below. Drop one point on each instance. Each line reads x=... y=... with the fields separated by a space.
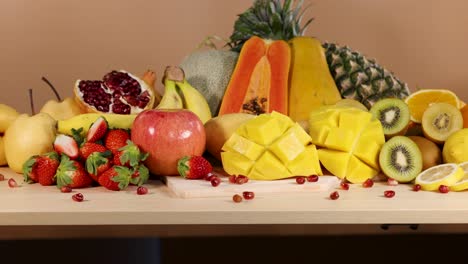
x=419 y=101
x=445 y=174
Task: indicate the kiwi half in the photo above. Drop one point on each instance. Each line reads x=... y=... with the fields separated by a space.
x=440 y=120
x=393 y=114
x=401 y=159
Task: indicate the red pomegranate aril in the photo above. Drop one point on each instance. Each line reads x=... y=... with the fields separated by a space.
x=416 y=187
x=237 y=198
x=232 y=179
x=389 y=194
x=300 y=180
x=444 y=189
x=334 y=195
x=344 y=186
x=392 y=182
x=210 y=177
x=2 y=177
x=78 y=197
x=313 y=178
x=248 y=195
x=12 y=183
x=66 y=189
x=142 y=190
x=215 y=182
x=241 y=179
x=368 y=183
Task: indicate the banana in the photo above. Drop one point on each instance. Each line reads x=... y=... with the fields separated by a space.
x=85 y=120
x=194 y=101
x=171 y=98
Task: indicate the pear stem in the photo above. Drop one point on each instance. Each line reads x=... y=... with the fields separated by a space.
x=53 y=88
x=31 y=101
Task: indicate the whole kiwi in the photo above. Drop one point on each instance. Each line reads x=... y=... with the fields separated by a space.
x=432 y=155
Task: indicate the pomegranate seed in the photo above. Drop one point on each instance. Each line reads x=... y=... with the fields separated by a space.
x=2 y=177
x=215 y=181
x=416 y=187
x=142 y=190
x=241 y=179
x=300 y=180
x=392 y=182
x=389 y=194
x=313 y=178
x=78 y=197
x=368 y=183
x=12 y=183
x=248 y=195
x=237 y=198
x=232 y=179
x=210 y=177
x=334 y=195
x=444 y=189
x=66 y=189
x=344 y=186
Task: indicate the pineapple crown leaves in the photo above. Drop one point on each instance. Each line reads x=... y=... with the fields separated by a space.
x=142 y=175
x=123 y=176
x=95 y=160
x=270 y=19
x=131 y=153
x=65 y=169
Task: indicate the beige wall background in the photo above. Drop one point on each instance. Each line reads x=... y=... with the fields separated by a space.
x=423 y=41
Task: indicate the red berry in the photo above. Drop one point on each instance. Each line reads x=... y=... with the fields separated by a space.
x=313 y=178
x=237 y=198
x=389 y=194
x=416 y=187
x=2 y=177
x=344 y=186
x=368 y=183
x=12 y=183
x=215 y=181
x=232 y=179
x=78 y=197
x=142 y=190
x=334 y=195
x=444 y=189
x=241 y=179
x=392 y=182
x=248 y=195
x=66 y=189
x=300 y=180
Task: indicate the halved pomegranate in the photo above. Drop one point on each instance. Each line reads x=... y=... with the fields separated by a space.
x=118 y=92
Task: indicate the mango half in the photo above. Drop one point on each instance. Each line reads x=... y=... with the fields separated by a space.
x=270 y=147
x=349 y=141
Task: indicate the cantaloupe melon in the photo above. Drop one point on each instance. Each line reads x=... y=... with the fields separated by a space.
x=209 y=71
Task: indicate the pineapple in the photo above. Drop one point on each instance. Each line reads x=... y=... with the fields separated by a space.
x=355 y=76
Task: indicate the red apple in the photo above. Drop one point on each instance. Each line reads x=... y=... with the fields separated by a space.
x=168 y=135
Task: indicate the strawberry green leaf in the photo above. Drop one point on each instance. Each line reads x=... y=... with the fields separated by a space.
x=143 y=175
x=94 y=161
x=78 y=136
x=131 y=154
x=123 y=176
x=27 y=168
x=65 y=169
x=183 y=166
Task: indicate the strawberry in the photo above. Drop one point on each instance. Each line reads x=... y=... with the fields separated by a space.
x=97 y=130
x=71 y=173
x=41 y=168
x=97 y=163
x=129 y=155
x=194 y=167
x=64 y=144
x=116 y=178
x=89 y=148
x=140 y=175
x=115 y=139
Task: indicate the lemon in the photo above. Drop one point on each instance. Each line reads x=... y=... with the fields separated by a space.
x=446 y=174
x=463 y=183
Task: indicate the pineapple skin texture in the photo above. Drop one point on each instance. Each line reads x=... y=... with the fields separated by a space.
x=311 y=84
x=350 y=141
x=270 y=147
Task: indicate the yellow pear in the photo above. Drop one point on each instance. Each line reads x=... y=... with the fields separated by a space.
x=7 y=115
x=28 y=136
x=60 y=110
x=3 y=160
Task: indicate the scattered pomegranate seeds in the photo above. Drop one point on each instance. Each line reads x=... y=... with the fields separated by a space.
x=416 y=187
x=78 y=197
x=66 y=189
x=215 y=181
x=232 y=179
x=2 y=177
x=300 y=180
x=444 y=189
x=368 y=183
x=237 y=198
x=334 y=195
x=389 y=194
x=12 y=183
x=313 y=178
x=241 y=179
x=210 y=176
x=248 y=195
x=142 y=190
x=392 y=182
x=344 y=186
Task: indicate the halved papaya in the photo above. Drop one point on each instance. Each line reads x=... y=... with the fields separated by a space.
x=259 y=83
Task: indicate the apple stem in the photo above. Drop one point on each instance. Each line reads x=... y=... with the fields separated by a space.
x=53 y=88
x=31 y=101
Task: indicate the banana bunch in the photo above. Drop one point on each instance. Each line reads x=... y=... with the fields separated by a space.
x=179 y=94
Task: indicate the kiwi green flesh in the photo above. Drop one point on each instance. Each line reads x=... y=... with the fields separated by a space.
x=393 y=114
x=440 y=120
x=401 y=159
